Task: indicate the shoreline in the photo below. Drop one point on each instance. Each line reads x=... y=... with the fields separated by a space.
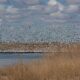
x=40 y=47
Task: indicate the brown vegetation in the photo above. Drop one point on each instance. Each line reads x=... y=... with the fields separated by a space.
x=43 y=47
x=54 y=66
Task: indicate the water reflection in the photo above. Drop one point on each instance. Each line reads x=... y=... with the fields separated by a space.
x=9 y=59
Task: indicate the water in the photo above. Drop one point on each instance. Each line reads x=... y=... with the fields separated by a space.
x=38 y=32
x=10 y=59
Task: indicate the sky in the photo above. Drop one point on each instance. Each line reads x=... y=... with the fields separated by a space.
x=16 y=15
x=61 y=9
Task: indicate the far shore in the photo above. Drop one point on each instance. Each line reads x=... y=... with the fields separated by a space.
x=40 y=47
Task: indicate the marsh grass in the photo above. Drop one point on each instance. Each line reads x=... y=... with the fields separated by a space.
x=53 y=66
x=56 y=68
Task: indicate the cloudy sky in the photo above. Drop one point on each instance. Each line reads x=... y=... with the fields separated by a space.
x=16 y=14
x=57 y=9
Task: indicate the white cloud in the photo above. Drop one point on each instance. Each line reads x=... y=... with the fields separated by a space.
x=32 y=7
x=58 y=10
x=11 y=9
x=31 y=1
x=72 y=9
x=53 y=3
x=36 y=7
x=49 y=9
x=61 y=7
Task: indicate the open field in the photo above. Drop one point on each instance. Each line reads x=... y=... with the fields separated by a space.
x=58 y=66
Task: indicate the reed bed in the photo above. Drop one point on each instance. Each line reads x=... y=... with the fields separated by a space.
x=58 y=66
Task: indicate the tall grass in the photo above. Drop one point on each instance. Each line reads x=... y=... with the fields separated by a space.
x=58 y=66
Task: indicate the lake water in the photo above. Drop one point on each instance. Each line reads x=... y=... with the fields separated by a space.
x=10 y=59
x=38 y=32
